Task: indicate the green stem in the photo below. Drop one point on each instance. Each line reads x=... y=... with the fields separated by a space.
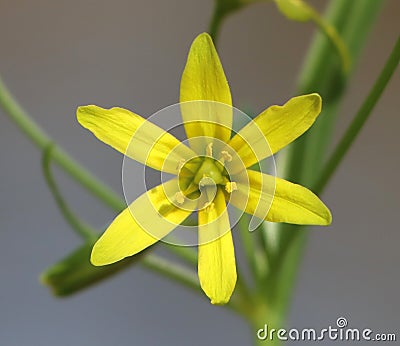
x=75 y=272
x=313 y=78
x=81 y=228
x=186 y=253
x=335 y=39
x=215 y=24
x=360 y=118
x=256 y=258
x=266 y=317
x=172 y=271
x=320 y=56
x=29 y=127
x=222 y=8
x=181 y=275
x=322 y=73
x=42 y=141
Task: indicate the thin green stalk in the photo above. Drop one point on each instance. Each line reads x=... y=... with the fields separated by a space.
x=318 y=64
x=215 y=24
x=304 y=158
x=222 y=8
x=80 y=227
x=172 y=271
x=332 y=88
x=315 y=75
x=321 y=74
x=182 y=276
x=75 y=272
x=335 y=38
x=251 y=250
x=320 y=55
x=184 y=252
x=29 y=127
x=42 y=141
x=360 y=118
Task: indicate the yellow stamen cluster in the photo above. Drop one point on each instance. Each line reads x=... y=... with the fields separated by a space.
x=230 y=187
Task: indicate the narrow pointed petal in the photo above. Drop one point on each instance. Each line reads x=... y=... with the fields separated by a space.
x=134 y=137
x=291 y=203
x=216 y=262
x=204 y=79
x=148 y=219
x=275 y=128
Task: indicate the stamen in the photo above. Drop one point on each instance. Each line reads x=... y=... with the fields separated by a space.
x=230 y=187
x=209 y=207
x=209 y=150
x=180 y=197
x=202 y=181
x=225 y=156
x=206 y=180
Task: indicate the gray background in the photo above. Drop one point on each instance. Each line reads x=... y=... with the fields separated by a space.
x=55 y=55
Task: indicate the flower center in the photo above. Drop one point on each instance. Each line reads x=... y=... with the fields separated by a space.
x=200 y=173
x=210 y=168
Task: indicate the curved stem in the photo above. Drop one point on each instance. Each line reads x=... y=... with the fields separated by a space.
x=334 y=37
x=360 y=118
x=29 y=127
x=74 y=272
x=81 y=228
x=171 y=270
x=320 y=74
x=223 y=8
x=215 y=24
x=42 y=140
x=181 y=275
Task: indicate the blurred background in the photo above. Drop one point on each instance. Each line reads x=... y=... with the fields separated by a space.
x=56 y=55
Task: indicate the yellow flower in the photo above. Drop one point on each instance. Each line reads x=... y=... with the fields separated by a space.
x=204 y=170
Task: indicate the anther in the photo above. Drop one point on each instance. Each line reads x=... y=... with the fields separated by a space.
x=225 y=156
x=230 y=187
x=180 y=197
x=209 y=206
x=203 y=181
x=209 y=149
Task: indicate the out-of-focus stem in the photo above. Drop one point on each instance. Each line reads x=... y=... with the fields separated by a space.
x=360 y=118
x=302 y=162
x=74 y=272
x=29 y=127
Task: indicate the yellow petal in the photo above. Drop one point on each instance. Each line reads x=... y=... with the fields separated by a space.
x=276 y=127
x=134 y=137
x=204 y=79
x=216 y=262
x=291 y=203
x=148 y=219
